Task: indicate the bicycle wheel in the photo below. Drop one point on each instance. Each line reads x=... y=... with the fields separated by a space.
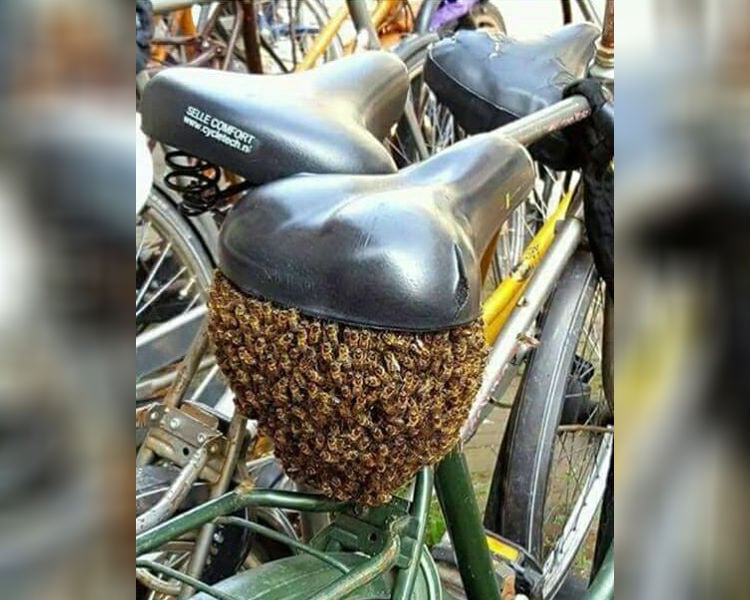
x=173 y=271
x=552 y=469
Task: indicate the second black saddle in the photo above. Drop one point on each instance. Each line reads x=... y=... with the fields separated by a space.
x=490 y=79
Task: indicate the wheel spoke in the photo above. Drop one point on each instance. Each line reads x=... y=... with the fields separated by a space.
x=151 y=275
x=156 y=296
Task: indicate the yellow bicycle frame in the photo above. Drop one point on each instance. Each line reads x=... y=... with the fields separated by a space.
x=498 y=307
x=383 y=10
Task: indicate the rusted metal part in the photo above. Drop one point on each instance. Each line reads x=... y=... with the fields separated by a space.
x=176 y=433
x=237 y=28
x=608 y=34
x=509 y=588
x=189 y=366
x=176 y=494
x=142 y=415
x=251 y=37
x=605 y=54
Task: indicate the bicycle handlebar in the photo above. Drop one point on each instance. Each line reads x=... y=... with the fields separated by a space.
x=560 y=115
x=535 y=126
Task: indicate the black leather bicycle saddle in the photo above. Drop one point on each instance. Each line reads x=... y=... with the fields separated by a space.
x=490 y=79
x=330 y=120
x=398 y=252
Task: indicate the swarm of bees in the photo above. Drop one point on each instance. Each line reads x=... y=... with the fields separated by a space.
x=354 y=413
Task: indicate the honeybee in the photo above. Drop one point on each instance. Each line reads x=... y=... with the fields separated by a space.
x=343 y=356
x=351 y=336
x=285 y=340
x=285 y=363
x=326 y=351
x=388 y=391
x=314 y=332
x=357 y=384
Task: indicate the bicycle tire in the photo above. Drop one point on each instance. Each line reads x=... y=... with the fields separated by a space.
x=521 y=478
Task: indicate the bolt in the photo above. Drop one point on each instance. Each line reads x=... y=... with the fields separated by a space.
x=202 y=438
x=154 y=416
x=213 y=449
x=174 y=423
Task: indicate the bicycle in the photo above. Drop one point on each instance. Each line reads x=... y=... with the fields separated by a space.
x=378 y=532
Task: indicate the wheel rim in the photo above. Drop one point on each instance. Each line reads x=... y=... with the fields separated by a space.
x=581 y=459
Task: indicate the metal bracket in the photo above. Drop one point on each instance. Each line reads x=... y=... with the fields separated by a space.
x=176 y=433
x=365 y=529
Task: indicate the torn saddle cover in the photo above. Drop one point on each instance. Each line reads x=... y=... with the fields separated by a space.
x=594 y=141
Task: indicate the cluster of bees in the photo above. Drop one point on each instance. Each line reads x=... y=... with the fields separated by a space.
x=354 y=413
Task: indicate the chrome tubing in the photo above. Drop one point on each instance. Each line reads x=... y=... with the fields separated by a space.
x=535 y=126
x=509 y=341
x=174 y=496
x=235 y=437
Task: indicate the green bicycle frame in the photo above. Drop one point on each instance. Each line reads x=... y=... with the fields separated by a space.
x=401 y=546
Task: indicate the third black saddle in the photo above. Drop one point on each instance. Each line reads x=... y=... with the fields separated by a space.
x=490 y=79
